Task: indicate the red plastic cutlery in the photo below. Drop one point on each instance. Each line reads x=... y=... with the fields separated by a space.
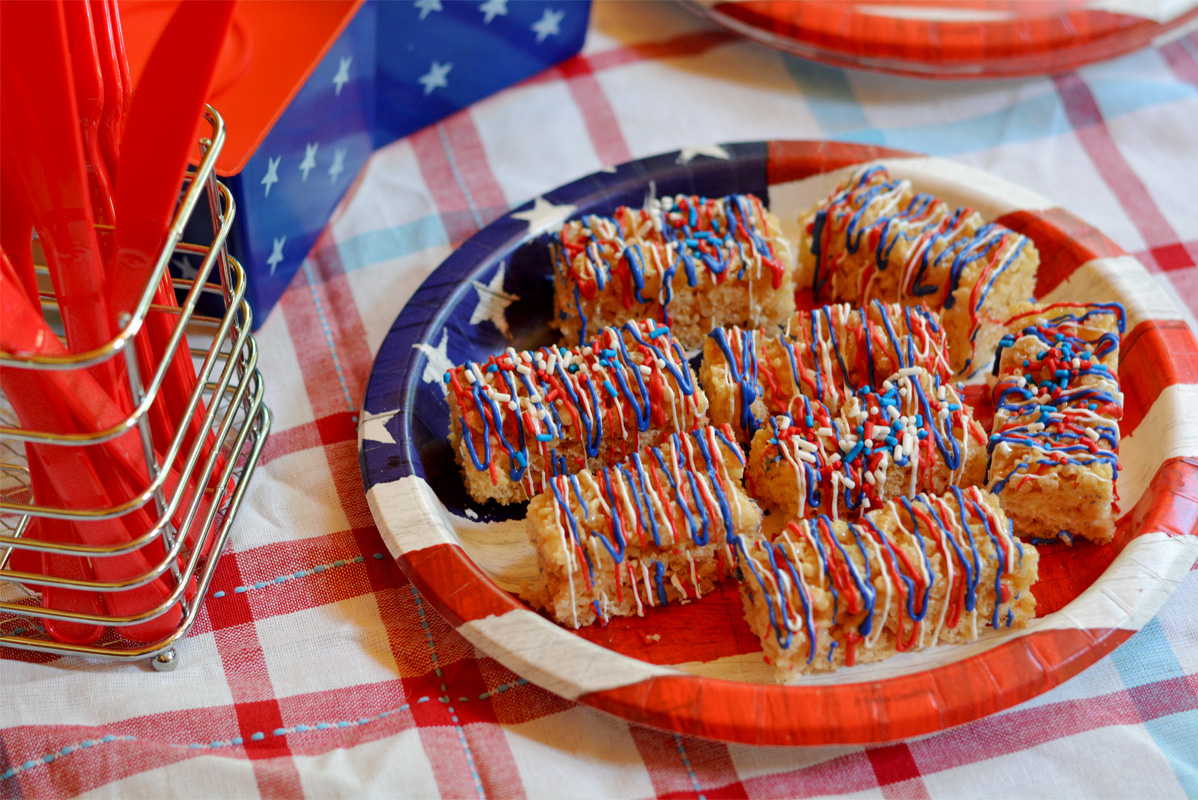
x=157 y=143
x=89 y=95
x=16 y=234
x=71 y=473
x=116 y=92
x=42 y=160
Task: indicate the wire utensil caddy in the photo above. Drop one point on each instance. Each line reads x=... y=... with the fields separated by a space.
x=235 y=422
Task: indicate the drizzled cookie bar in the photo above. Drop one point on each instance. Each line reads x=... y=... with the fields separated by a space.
x=655 y=529
x=690 y=262
x=825 y=354
x=520 y=417
x=911 y=434
x=1055 y=446
x=911 y=574
x=875 y=238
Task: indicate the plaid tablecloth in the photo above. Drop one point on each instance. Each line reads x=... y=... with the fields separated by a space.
x=316 y=669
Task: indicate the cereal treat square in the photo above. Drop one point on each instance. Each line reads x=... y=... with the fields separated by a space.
x=692 y=263
x=911 y=434
x=1057 y=405
x=875 y=238
x=912 y=574
x=520 y=417
x=825 y=354
x=656 y=529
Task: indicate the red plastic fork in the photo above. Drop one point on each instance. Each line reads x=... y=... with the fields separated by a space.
x=116 y=91
x=16 y=234
x=156 y=145
x=84 y=405
x=42 y=161
x=62 y=566
x=89 y=94
x=72 y=477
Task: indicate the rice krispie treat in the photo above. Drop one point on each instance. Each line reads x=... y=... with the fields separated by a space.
x=520 y=417
x=911 y=434
x=876 y=238
x=1057 y=406
x=692 y=263
x=654 y=529
x=825 y=354
x=912 y=574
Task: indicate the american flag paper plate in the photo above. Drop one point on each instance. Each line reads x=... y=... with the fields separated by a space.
x=955 y=40
x=705 y=675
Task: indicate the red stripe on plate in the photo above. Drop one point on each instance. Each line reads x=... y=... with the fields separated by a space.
x=454 y=585
x=1165 y=354
x=1021 y=42
x=795 y=160
x=909 y=705
x=861 y=713
x=1064 y=241
x=1170 y=503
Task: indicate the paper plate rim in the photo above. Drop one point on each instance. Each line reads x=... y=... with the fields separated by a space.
x=841 y=35
x=422 y=540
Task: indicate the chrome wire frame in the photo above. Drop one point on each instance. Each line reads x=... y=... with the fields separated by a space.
x=233 y=430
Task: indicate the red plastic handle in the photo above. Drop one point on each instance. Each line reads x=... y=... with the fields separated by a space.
x=43 y=163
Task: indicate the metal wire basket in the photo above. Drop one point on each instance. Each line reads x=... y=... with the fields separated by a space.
x=235 y=423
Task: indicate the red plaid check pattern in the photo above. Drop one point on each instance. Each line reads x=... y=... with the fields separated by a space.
x=316 y=669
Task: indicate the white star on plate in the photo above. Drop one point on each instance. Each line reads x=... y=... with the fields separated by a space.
x=272 y=174
x=438 y=362
x=338 y=165
x=427 y=6
x=374 y=427
x=493 y=9
x=276 y=253
x=435 y=77
x=342 y=76
x=544 y=215
x=309 y=162
x=493 y=302
x=712 y=150
x=547 y=25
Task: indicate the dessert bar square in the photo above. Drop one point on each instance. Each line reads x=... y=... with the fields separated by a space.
x=520 y=417
x=1057 y=403
x=692 y=263
x=876 y=238
x=656 y=529
x=911 y=574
